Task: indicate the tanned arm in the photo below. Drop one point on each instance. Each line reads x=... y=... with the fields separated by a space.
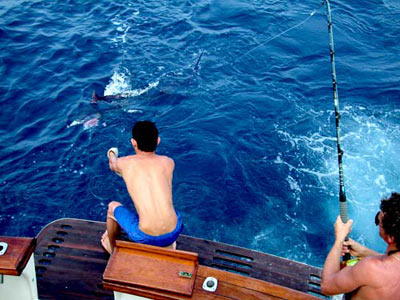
x=113 y=162
x=334 y=280
x=358 y=250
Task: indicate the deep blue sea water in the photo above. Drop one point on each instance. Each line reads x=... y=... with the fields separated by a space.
x=251 y=129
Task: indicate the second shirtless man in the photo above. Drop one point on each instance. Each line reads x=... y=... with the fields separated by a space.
x=148 y=178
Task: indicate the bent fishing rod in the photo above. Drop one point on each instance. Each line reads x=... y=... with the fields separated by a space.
x=342 y=193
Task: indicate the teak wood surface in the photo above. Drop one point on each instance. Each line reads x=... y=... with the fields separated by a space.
x=16 y=257
x=70 y=263
x=151 y=267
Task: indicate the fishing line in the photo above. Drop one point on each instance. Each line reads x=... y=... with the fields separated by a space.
x=279 y=34
x=96 y=185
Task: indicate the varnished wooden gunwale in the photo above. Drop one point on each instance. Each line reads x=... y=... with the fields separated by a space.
x=76 y=268
x=263 y=266
x=75 y=271
x=16 y=257
x=230 y=286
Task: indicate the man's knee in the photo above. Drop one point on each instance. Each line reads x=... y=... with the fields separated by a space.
x=112 y=206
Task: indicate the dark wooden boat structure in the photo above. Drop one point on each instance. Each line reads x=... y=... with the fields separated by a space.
x=71 y=264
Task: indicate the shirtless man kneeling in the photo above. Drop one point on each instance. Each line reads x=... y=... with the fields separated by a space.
x=148 y=178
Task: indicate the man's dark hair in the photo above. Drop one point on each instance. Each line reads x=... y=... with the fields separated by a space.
x=391 y=216
x=145 y=133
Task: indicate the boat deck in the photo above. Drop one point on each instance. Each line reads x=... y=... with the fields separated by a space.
x=70 y=262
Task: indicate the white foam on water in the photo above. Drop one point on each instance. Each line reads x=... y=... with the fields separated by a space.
x=293 y=184
x=315 y=145
x=122 y=28
x=263 y=235
x=120 y=85
x=381 y=181
x=369 y=141
x=138 y=92
x=371 y=158
x=125 y=32
x=74 y=123
x=133 y=111
x=371 y=164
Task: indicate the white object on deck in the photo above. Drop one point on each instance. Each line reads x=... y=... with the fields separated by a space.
x=3 y=248
x=210 y=284
x=21 y=287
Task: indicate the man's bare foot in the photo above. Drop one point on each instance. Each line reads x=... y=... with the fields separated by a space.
x=105 y=242
x=172 y=246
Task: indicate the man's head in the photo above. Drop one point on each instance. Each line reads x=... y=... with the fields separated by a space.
x=145 y=134
x=390 y=219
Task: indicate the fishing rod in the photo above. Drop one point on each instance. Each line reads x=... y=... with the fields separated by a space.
x=342 y=193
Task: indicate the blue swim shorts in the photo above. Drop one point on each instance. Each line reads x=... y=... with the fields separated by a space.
x=129 y=221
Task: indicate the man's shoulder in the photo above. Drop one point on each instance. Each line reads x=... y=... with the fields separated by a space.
x=371 y=265
x=371 y=260
x=377 y=272
x=166 y=161
x=165 y=158
x=125 y=160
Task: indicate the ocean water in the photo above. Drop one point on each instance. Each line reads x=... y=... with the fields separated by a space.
x=251 y=127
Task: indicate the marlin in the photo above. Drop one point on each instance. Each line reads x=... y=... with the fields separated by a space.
x=196 y=65
x=109 y=98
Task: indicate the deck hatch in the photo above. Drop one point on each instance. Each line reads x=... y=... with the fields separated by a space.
x=152 y=268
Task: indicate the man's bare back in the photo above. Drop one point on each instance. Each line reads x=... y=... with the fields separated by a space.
x=148 y=178
x=380 y=276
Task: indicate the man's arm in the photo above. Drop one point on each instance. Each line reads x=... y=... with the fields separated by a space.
x=334 y=280
x=112 y=155
x=358 y=250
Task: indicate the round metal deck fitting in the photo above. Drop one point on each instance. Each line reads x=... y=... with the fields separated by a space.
x=210 y=284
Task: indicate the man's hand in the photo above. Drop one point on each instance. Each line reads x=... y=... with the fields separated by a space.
x=112 y=155
x=341 y=229
x=336 y=281
x=356 y=249
x=112 y=152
